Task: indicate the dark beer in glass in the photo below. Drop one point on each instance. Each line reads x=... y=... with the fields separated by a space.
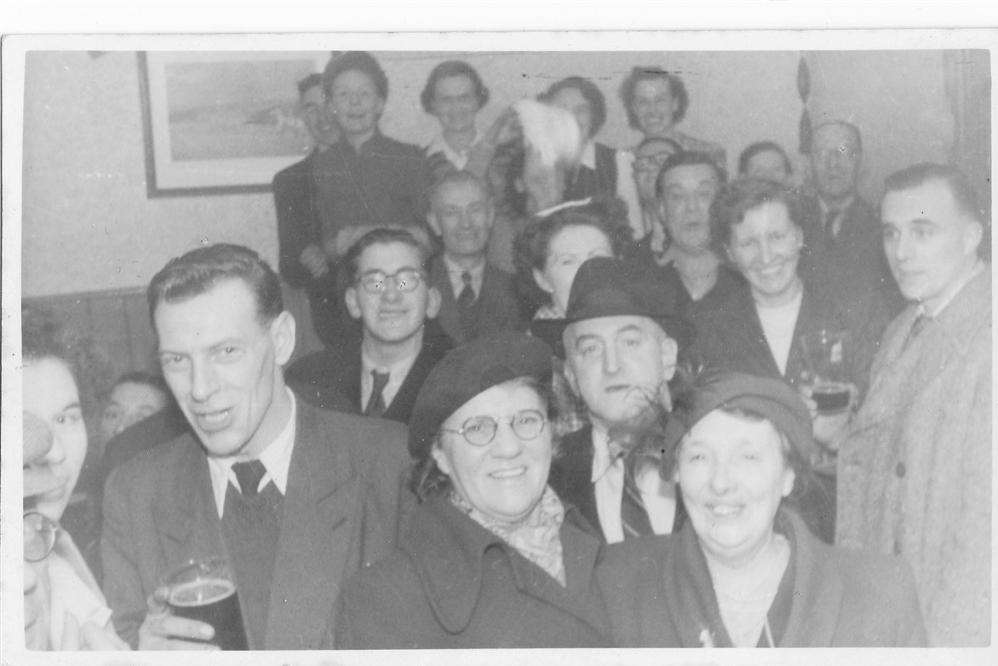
x=204 y=590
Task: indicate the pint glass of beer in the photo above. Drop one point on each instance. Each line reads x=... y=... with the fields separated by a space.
x=825 y=353
x=205 y=590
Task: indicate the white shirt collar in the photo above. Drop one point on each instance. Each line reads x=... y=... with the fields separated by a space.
x=397 y=372
x=954 y=289
x=588 y=156
x=440 y=145
x=454 y=273
x=276 y=459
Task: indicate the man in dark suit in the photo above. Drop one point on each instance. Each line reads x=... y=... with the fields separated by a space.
x=389 y=293
x=294 y=497
x=842 y=237
x=619 y=340
x=301 y=260
x=476 y=297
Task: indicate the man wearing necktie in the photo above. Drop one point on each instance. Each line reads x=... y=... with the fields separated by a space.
x=476 y=297
x=295 y=498
x=914 y=465
x=619 y=338
x=400 y=343
x=843 y=253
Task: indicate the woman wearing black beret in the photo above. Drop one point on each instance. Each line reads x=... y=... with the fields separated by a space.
x=490 y=558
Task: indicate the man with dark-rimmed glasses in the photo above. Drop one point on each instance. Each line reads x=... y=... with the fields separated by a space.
x=401 y=341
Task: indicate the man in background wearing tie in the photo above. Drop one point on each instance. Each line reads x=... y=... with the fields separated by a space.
x=843 y=252
x=619 y=341
x=295 y=498
x=476 y=297
x=914 y=468
x=390 y=294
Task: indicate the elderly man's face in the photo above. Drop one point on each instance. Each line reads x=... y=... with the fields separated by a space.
x=224 y=366
x=835 y=160
x=929 y=242
x=619 y=365
x=462 y=215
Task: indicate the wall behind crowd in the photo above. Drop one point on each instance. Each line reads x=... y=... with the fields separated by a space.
x=88 y=224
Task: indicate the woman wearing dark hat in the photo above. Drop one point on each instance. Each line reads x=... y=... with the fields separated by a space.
x=745 y=571
x=490 y=557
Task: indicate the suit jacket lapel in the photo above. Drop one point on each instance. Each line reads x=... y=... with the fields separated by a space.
x=448 y=318
x=577 y=469
x=753 y=337
x=185 y=513
x=577 y=596
x=317 y=539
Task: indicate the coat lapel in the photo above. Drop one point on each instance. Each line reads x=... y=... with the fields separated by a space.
x=817 y=595
x=577 y=596
x=185 y=514
x=448 y=318
x=575 y=471
x=317 y=538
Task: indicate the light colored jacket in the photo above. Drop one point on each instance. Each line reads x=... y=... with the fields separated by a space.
x=914 y=473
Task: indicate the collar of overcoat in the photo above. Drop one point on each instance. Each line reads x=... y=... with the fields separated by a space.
x=448 y=550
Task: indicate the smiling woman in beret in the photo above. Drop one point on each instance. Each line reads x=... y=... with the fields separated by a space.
x=490 y=557
x=745 y=571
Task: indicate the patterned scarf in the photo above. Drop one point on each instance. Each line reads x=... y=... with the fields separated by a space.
x=537 y=536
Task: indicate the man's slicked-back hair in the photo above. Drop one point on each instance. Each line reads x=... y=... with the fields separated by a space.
x=676 y=88
x=360 y=61
x=199 y=271
x=852 y=128
x=594 y=98
x=448 y=69
x=919 y=174
x=688 y=158
x=382 y=236
x=964 y=195
x=309 y=82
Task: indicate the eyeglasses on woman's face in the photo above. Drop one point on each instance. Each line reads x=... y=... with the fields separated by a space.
x=526 y=424
x=40 y=534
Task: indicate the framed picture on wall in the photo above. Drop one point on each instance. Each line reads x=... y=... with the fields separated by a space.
x=222 y=121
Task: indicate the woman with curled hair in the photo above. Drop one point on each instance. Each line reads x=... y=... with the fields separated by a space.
x=745 y=570
x=490 y=557
x=656 y=101
x=454 y=94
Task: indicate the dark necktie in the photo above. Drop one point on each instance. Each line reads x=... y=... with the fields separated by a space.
x=633 y=516
x=921 y=321
x=249 y=474
x=466 y=306
x=376 y=403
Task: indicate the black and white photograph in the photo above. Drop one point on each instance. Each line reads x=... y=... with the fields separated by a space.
x=370 y=347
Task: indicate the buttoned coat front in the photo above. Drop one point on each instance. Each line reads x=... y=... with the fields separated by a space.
x=914 y=473
x=341 y=511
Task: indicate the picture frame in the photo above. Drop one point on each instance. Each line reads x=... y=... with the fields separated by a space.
x=221 y=122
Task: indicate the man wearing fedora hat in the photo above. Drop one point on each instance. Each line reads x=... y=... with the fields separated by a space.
x=620 y=338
